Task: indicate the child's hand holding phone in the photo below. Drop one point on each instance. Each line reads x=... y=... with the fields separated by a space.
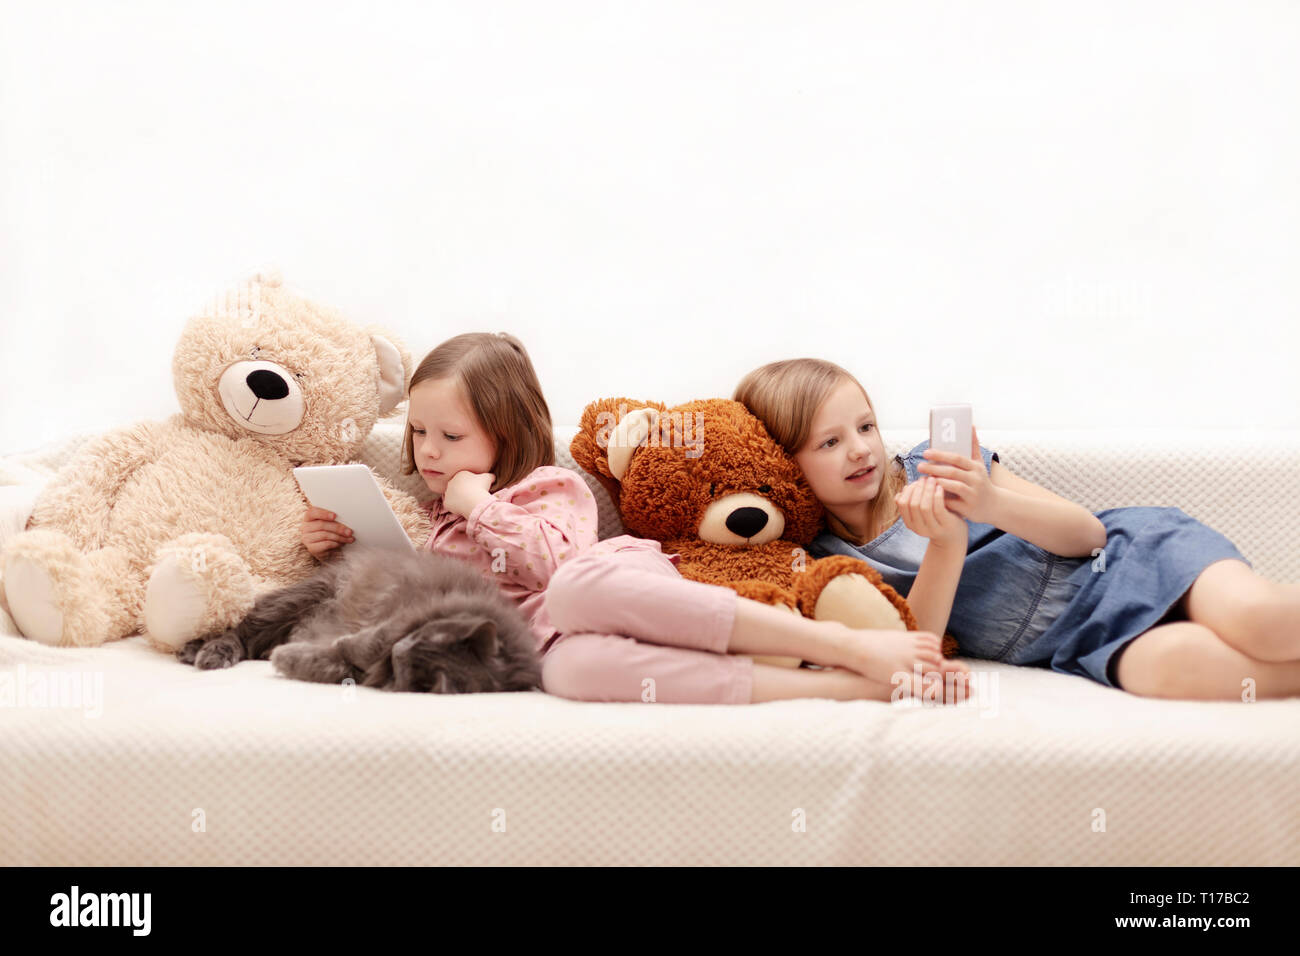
x=922 y=508
x=970 y=492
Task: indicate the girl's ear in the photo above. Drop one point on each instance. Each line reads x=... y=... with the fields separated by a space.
x=608 y=435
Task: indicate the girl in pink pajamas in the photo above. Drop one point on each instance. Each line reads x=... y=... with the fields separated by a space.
x=614 y=619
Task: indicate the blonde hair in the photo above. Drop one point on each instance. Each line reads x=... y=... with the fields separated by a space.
x=785 y=396
x=497 y=381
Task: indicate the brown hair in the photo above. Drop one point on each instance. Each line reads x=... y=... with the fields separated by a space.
x=785 y=396
x=497 y=381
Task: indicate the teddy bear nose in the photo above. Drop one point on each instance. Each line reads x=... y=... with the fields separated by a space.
x=746 y=522
x=265 y=384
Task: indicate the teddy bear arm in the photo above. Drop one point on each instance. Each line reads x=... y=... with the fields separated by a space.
x=765 y=592
x=79 y=498
x=852 y=592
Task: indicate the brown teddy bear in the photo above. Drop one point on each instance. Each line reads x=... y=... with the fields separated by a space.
x=707 y=481
x=173 y=528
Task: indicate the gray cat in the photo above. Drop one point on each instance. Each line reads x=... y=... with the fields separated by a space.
x=421 y=622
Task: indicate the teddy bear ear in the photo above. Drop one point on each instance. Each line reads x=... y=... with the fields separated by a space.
x=628 y=422
x=394 y=370
x=627 y=435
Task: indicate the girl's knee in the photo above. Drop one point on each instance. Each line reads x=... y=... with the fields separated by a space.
x=565 y=590
x=578 y=667
x=583 y=583
x=1181 y=660
x=1270 y=624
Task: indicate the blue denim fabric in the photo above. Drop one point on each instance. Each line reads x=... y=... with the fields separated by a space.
x=1020 y=604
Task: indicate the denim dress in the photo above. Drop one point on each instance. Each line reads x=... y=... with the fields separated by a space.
x=1019 y=604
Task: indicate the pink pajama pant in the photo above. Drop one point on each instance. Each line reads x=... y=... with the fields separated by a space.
x=633 y=629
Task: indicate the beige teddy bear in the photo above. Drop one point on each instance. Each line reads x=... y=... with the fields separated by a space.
x=174 y=528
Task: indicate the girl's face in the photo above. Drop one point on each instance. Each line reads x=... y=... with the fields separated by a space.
x=445 y=435
x=842 y=444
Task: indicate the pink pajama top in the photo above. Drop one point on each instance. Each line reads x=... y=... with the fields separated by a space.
x=523 y=533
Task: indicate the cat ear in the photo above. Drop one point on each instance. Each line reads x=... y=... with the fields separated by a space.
x=483 y=639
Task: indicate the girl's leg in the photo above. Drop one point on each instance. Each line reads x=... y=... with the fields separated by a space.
x=611 y=667
x=878 y=655
x=1186 y=660
x=1258 y=617
x=607 y=667
x=639 y=593
x=783 y=683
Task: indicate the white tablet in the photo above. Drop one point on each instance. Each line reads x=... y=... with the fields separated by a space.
x=351 y=492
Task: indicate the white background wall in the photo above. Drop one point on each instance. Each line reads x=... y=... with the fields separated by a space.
x=1071 y=215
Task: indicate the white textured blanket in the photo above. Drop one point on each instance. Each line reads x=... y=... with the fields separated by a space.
x=164 y=764
x=121 y=756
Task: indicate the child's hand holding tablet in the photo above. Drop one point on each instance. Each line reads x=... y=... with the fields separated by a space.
x=321 y=534
x=350 y=493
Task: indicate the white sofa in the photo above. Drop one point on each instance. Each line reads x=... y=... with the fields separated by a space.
x=170 y=765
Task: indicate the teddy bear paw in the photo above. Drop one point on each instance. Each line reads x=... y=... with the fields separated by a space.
x=52 y=592
x=30 y=595
x=198 y=586
x=175 y=603
x=853 y=600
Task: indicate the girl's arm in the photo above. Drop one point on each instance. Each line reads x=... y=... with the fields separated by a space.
x=935 y=586
x=1049 y=521
x=1012 y=504
x=921 y=506
x=534 y=526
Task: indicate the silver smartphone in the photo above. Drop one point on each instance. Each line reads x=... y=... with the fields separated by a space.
x=950 y=428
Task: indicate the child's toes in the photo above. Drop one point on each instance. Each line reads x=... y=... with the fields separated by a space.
x=928 y=650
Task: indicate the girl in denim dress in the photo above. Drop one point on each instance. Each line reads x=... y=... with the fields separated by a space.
x=1143 y=599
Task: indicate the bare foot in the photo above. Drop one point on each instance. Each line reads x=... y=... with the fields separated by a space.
x=935 y=688
x=949 y=666
x=955 y=680
x=880 y=655
x=906 y=660
x=949 y=684
x=862 y=688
